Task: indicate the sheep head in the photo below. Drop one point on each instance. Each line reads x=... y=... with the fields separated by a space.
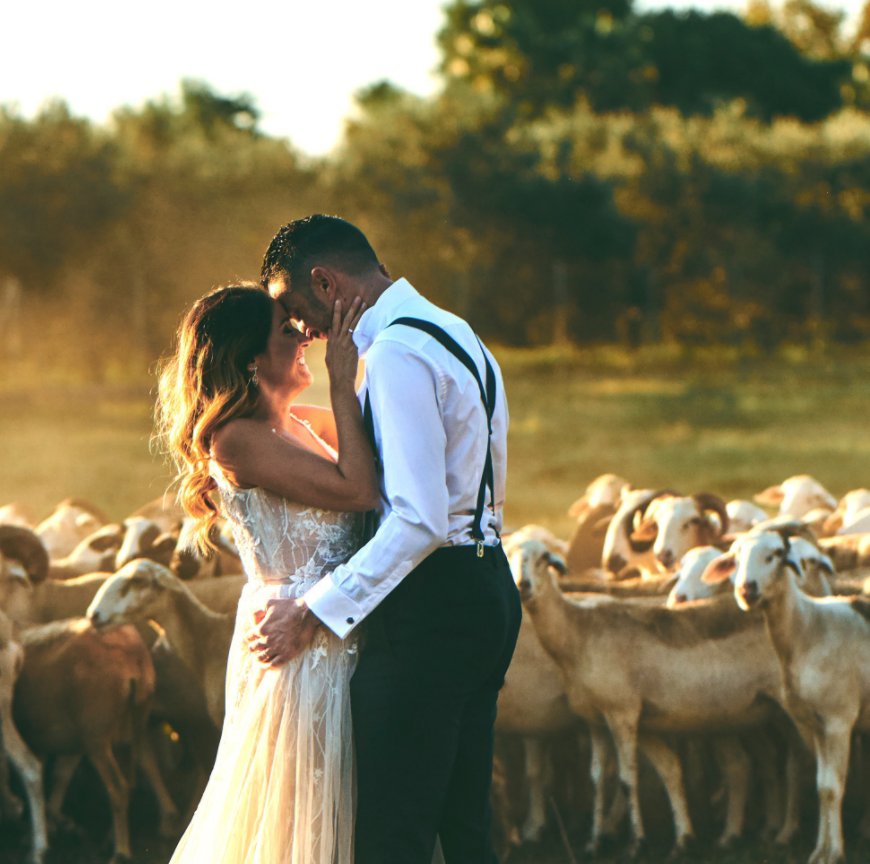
x=685 y=522
x=71 y=522
x=690 y=585
x=97 y=551
x=620 y=547
x=530 y=563
x=136 y=593
x=144 y=538
x=760 y=563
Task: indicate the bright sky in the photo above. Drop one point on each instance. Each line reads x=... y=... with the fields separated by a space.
x=302 y=61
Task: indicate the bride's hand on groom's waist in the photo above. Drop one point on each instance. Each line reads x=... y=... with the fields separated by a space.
x=281 y=630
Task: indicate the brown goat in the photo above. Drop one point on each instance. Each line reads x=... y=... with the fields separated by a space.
x=81 y=691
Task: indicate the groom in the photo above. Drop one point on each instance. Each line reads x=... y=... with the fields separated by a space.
x=432 y=587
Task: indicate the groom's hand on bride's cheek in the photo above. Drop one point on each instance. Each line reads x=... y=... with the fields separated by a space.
x=281 y=631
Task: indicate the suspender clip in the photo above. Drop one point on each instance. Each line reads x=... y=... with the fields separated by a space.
x=480 y=548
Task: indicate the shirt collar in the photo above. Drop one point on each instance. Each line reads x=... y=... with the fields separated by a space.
x=382 y=314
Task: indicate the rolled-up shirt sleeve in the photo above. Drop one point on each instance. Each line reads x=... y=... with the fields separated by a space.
x=403 y=389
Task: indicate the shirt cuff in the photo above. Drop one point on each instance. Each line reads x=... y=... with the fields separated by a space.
x=335 y=609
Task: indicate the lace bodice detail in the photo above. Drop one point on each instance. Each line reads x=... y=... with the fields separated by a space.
x=283 y=542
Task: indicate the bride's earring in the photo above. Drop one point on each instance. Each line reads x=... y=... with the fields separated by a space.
x=254 y=379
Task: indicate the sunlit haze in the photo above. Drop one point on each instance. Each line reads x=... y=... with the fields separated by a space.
x=302 y=62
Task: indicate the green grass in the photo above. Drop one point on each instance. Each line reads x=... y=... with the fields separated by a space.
x=710 y=424
x=707 y=422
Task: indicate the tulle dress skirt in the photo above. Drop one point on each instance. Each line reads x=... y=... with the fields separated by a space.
x=281 y=790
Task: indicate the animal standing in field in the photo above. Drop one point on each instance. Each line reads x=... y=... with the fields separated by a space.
x=797 y=496
x=823 y=647
x=674 y=524
x=71 y=522
x=145 y=590
x=629 y=667
x=80 y=692
x=532 y=703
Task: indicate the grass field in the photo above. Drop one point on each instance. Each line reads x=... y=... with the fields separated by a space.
x=704 y=422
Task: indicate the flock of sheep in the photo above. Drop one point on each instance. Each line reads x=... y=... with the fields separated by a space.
x=673 y=622
x=667 y=626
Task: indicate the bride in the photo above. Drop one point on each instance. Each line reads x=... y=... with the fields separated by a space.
x=291 y=480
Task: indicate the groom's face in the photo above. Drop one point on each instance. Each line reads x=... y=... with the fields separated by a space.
x=314 y=313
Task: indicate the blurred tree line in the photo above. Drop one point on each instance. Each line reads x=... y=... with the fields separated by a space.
x=585 y=173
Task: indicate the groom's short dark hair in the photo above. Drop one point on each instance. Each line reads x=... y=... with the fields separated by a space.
x=318 y=239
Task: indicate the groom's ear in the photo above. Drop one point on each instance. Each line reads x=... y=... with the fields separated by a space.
x=323 y=284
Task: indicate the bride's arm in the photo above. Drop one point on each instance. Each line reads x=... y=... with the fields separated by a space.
x=258 y=457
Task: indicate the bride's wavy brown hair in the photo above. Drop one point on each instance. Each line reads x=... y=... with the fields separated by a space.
x=204 y=384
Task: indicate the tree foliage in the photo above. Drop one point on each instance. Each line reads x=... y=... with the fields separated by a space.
x=726 y=201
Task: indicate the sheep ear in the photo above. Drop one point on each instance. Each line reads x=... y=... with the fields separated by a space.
x=719 y=569
x=599 y=529
x=645 y=531
x=578 y=508
x=557 y=562
x=771 y=496
x=794 y=565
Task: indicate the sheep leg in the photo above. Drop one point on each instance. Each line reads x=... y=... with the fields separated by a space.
x=11 y=807
x=734 y=765
x=762 y=752
x=64 y=770
x=832 y=763
x=107 y=768
x=29 y=770
x=536 y=819
x=623 y=728
x=599 y=754
x=169 y=815
x=793 y=787
x=667 y=766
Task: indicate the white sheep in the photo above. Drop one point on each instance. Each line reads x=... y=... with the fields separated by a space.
x=604 y=490
x=700 y=668
x=620 y=553
x=676 y=524
x=743 y=515
x=70 y=522
x=823 y=646
x=857 y=524
x=847 y=510
x=532 y=702
x=144 y=590
x=96 y=553
x=691 y=585
x=145 y=538
x=797 y=496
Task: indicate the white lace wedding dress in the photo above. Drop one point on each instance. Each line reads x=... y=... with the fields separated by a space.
x=281 y=791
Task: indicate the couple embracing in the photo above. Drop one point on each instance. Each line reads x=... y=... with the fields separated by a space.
x=379 y=614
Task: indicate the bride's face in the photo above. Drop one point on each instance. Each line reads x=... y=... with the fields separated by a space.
x=282 y=365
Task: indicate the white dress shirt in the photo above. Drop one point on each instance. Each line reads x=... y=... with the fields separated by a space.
x=431 y=433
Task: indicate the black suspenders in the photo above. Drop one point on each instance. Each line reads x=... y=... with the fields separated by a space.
x=487 y=396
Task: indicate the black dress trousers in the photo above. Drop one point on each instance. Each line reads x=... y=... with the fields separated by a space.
x=433 y=658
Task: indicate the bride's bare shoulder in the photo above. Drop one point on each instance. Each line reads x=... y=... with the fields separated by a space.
x=233 y=437
x=239 y=447
x=322 y=421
